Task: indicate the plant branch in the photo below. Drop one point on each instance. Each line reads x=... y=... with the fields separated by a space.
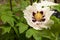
x=57 y=36
x=11 y=5
x=31 y=1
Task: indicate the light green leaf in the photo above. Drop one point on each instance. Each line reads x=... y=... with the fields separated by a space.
x=32 y=32
x=24 y=4
x=16 y=9
x=6 y=29
x=46 y=34
x=3 y=17
x=29 y=33
x=8 y=13
x=22 y=27
x=38 y=34
x=37 y=37
x=55 y=19
x=23 y=20
x=56 y=26
x=8 y=19
x=57 y=7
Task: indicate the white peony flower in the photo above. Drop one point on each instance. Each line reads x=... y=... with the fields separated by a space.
x=38 y=17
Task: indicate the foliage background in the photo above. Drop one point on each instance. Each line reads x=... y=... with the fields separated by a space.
x=13 y=26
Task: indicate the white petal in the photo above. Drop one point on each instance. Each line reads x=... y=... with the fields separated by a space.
x=49 y=23
x=48 y=14
x=46 y=3
x=29 y=8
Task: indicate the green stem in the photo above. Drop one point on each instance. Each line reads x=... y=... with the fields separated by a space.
x=16 y=31
x=11 y=5
x=31 y=1
x=36 y=0
x=57 y=36
x=55 y=1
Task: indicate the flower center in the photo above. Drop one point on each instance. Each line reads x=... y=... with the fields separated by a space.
x=38 y=16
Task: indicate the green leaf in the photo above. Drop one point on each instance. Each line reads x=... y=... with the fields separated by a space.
x=46 y=34
x=55 y=19
x=57 y=7
x=17 y=17
x=22 y=27
x=16 y=9
x=29 y=33
x=4 y=8
x=8 y=13
x=8 y=19
x=6 y=29
x=32 y=32
x=38 y=34
x=16 y=31
x=37 y=37
x=24 y=4
x=56 y=26
x=23 y=20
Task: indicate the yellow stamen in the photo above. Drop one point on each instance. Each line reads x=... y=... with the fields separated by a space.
x=38 y=16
